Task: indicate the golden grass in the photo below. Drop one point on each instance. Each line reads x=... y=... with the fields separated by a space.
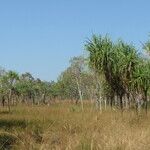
x=63 y=126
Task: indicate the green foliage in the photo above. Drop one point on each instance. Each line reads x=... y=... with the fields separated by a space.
x=119 y=63
x=111 y=69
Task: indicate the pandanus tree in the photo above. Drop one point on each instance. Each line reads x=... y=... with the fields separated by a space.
x=141 y=80
x=103 y=60
x=114 y=61
x=126 y=61
x=146 y=47
x=99 y=51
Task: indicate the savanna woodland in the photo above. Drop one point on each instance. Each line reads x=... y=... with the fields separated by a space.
x=101 y=101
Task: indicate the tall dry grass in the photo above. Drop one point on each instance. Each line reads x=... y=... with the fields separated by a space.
x=63 y=126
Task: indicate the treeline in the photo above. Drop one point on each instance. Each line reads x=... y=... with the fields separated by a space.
x=113 y=73
x=15 y=88
x=74 y=84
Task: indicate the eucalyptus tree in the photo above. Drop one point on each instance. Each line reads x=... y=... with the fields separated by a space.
x=42 y=89
x=77 y=67
x=67 y=84
x=2 y=90
x=25 y=87
x=8 y=83
x=56 y=90
x=88 y=85
x=45 y=90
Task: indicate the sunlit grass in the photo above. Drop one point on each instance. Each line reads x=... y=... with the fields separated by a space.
x=64 y=126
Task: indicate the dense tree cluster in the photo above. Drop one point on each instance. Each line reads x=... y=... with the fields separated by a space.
x=22 y=88
x=126 y=72
x=114 y=73
x=75 y=83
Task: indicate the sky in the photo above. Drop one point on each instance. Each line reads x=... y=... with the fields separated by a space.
x=40 y=36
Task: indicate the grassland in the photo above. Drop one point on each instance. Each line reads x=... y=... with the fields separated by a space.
x=62 y=126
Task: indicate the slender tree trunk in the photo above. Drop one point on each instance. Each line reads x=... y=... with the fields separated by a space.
x=76 y=101
x=146 y=102
x=100 y=104
x=146 y=106
x=33 y=100
x=111 y=100
x=128 y=99
x=138 y=106
x=126 y=102
x=98 y=94
x=3 y=101
x=81 y=99
x=111 y=103
x=43 y=98
x=13 y=101
x=105 y=102
x=80 y=94
x=17 y=99
x=9 y=99
x=112 y=97
x=121 y=103
x=91 y=96
x=116 y=100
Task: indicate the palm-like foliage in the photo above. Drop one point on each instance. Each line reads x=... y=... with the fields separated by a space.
x=116 y=61
x=141 y=80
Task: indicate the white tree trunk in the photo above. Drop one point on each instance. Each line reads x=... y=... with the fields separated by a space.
x=80 y=94
x=105 y=103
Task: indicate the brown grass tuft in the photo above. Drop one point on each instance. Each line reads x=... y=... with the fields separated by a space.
x=64 y=127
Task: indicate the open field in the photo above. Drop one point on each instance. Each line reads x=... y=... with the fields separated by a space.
x=64 y=127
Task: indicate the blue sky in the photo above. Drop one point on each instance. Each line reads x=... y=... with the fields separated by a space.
x=40 y=36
